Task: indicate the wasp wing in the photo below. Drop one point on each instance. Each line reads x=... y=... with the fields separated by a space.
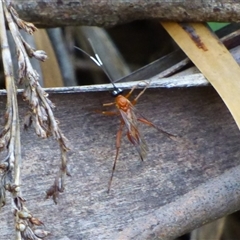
x=133 y=133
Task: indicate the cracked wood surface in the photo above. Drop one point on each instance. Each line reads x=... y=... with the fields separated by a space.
x=106 y=13
x=179 y=187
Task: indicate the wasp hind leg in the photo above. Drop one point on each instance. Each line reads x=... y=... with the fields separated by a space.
x=118 y=143
x=145 y=121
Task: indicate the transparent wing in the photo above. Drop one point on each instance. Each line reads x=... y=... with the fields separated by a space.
x=133 y=133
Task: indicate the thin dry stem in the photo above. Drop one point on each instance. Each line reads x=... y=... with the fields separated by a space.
x=12 y=130
x=40 y=115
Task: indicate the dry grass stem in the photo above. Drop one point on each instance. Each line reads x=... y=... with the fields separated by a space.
x=40 y=115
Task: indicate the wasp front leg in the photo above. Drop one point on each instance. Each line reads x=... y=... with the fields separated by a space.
x=109 y=113
x=108 y=104
x=139 y=95
x=130 y=92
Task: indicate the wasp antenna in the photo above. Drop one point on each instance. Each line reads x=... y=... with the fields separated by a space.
x=94 y=50
x=116 y=90
x=91 y=57
x=97 y=60
x=100 y=61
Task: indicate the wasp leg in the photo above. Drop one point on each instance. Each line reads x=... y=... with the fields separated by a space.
x=139 y=95
x=145 y=121
x=118 y=143
x=109 y=113
x=131 y=91
x=108 y=104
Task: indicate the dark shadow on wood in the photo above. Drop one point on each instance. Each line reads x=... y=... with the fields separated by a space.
x=180 y=186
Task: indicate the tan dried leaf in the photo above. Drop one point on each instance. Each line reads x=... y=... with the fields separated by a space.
x=40 y=55
x=53 y=193
x=36 y=221
x=21 y=226
x=2 y=196
x=41 y=233
x=24 y=215
x=38 y=128
x=29 y=234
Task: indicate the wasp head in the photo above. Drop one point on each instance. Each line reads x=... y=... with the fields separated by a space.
x=116 y=92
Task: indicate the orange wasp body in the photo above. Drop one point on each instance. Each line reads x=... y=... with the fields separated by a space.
x=130 y=118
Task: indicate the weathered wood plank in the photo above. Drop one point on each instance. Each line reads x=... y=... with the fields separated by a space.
x=109 y=13
x=179 y=187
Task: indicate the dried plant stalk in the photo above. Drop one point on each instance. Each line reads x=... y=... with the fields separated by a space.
x=40 y=112
x=10 y=135
x=40 y=115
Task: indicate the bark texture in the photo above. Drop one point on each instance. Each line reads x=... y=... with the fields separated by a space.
x=106 y=13
x=179 y=187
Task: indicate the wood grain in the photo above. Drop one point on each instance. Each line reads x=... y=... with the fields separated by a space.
x=180 y=186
